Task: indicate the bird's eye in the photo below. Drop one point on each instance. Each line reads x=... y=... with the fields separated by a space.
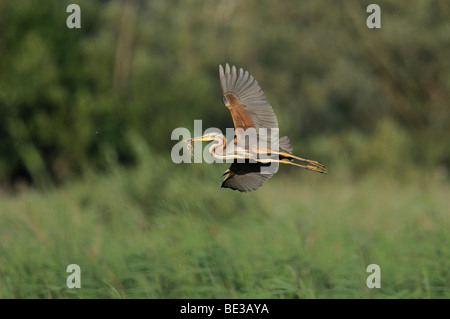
x=224 y=100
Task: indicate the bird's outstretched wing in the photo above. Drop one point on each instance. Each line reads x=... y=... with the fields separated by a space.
x=245 y=177
x=249 y=109
x=245 y=99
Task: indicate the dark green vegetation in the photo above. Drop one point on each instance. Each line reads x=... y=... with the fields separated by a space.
x=68 y=97
x=86 y=175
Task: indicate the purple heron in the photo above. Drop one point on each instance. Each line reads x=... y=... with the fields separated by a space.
x=250 y=111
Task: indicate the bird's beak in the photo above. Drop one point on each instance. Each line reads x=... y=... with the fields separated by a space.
x=206 y=137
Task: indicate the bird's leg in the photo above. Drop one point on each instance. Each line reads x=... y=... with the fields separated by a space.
x=322 y=170
x=315 y=163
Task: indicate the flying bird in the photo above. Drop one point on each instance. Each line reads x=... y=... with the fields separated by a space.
x=250 y=112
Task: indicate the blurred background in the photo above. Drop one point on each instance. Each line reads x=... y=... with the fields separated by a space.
x=86 y=175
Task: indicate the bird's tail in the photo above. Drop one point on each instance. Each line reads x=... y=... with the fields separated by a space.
x=285 y=145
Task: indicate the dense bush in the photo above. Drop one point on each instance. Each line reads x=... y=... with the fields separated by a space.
x=70 y=96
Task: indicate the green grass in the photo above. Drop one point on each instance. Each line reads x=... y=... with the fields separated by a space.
x=167 y=231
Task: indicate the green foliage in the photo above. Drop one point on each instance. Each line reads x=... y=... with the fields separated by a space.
x=164 y=231
x=66 y=95
x=389 y=149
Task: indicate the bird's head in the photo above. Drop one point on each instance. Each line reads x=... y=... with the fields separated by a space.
x=206 y=138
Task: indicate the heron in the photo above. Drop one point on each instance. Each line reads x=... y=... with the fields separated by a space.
x=251 y=113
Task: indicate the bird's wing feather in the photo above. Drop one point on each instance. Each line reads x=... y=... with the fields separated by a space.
x=248 y=104
x=244 y=177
